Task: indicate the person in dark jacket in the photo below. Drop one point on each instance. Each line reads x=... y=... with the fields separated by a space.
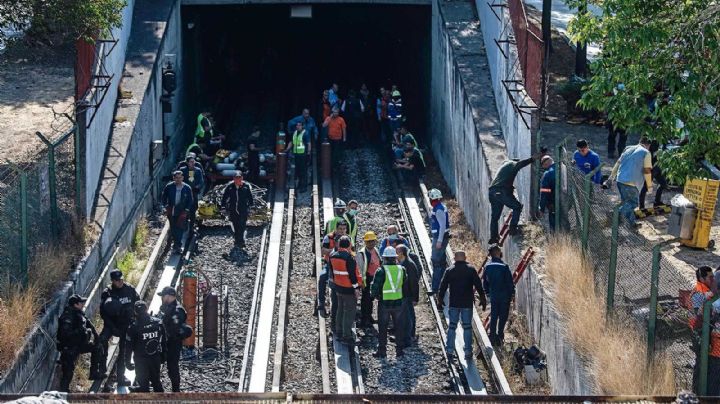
x=237 y=200
x=387 y=288
x=173 y=317
x=194 y=176
x=547 y=190
x=253 y=151
x=657 y=176
x=75 y=336
x=146 y=336
x=411 y=292
x=502 y=194
x=499 y=284
x=177 y=199
x=353 y=109
x=116 y=310
x=460 y=278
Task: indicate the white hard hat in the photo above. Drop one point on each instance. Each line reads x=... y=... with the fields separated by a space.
x=340 y=204
x=434 y=194
x=389 y=252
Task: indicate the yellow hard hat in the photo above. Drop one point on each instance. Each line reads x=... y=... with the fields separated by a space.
x=369 y=236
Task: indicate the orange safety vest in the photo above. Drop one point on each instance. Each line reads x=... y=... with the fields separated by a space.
x=374 y=263
x=339 y=267
x=696 y=319
x=714 y=342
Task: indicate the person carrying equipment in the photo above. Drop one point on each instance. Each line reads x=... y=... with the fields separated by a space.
x=146 y=336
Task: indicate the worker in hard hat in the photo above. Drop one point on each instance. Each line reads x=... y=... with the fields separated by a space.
x=411 y=291
x=395 y=111
x=347 y=285
x=440 y=232
x=387 y=288
x=393 y=237
x=329 y=245
x=547 y=190
x=368 y=260
x=339 y=208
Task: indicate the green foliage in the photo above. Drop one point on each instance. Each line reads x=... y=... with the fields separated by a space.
x=126 y=263
x=54 y=21
x=658 y=73
x=141 y=233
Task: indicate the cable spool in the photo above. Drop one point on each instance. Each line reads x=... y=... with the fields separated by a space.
x=189 y=301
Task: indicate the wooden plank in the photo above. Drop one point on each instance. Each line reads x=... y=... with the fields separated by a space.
x=480 y=334
x=283 y=304
x=474 y=380
x=267 y=301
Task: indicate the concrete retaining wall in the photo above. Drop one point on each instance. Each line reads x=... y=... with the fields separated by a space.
x=128 y=187
x=98 y=131
x=566 y=370
x=504 y=65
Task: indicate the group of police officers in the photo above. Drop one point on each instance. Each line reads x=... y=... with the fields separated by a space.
x=145 y=340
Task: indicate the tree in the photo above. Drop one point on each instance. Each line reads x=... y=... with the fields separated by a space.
x=658 y=74
x=51 y=22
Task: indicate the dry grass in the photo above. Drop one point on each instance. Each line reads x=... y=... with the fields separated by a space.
x=615 y=353
x=18 y=310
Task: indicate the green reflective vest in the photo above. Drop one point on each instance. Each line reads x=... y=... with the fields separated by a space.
x=392 y=287
x=199 y=130
x=298 y=144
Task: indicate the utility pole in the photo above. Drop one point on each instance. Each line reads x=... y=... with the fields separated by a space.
x=581 y=48
x=547 y=41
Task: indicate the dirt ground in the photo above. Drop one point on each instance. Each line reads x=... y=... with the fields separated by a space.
x=33 y=82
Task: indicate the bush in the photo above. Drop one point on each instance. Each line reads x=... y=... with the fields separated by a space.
x=51 y=22
x=18 y=309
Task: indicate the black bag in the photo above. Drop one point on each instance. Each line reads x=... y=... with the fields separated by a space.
x=185 y=331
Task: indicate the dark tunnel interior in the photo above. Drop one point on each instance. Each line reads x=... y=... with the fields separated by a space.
x=255 y=65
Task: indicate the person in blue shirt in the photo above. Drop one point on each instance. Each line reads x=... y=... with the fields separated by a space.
x=498 y=284
x=308 y=123
x=547 y=190
x=587 y=160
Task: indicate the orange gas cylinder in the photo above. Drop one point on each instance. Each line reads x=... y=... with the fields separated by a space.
x=189 y=301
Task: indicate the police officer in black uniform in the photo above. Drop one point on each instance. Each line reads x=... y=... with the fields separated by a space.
x=116 y=311
x=173 y=316
x=146 y=337
x=75 y=334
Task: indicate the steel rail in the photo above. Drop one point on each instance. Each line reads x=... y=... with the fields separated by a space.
x=317 y=236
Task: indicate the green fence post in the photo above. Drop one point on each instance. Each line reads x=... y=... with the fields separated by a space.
x=558 y=185
x=654 y=279
x=23 y=229
x=612 y=269
x=587 y=183
x=52 y=185
x=705 y=347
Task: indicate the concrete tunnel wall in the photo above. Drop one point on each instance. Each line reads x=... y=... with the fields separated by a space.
x=99 y=129
x=467 y=95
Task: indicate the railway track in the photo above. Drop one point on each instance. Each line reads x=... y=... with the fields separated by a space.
x=272 y=289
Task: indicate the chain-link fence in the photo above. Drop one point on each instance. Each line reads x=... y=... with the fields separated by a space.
x=37 y=209
x=642 y=288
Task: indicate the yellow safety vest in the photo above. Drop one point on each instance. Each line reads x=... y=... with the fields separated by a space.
x=392 y=287
x=298 y=144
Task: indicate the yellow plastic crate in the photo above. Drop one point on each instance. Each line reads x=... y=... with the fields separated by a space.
x=703 y=193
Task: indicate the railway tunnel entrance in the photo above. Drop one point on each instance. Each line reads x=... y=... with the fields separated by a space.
x=256 y=65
